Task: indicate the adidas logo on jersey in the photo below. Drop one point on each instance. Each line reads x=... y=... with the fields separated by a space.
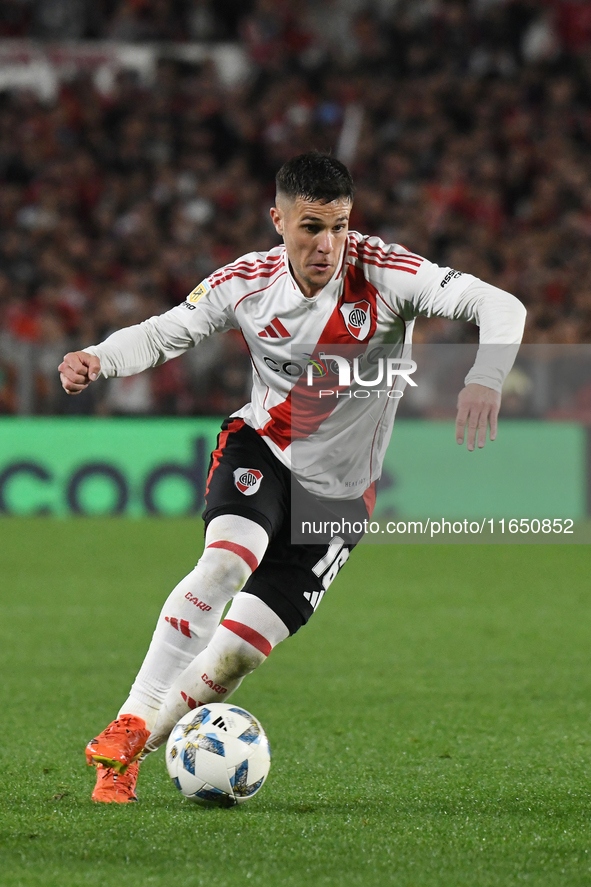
x=248 y=480
x=275 y=330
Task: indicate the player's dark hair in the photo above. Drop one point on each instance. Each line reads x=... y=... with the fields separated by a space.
x=315 y=176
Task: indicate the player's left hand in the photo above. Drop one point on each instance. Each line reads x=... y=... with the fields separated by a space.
x=478 y=408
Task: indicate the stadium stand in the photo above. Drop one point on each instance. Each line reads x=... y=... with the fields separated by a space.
x=130 y=174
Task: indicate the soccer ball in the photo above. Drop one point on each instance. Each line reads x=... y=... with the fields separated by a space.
x=218 y=755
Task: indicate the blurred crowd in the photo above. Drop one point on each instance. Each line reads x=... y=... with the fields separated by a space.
x=467 y=126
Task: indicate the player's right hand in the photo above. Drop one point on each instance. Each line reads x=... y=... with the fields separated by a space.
x=77 y=370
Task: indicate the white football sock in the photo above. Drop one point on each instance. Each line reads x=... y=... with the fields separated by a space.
x=234 y=546
x=240 y=644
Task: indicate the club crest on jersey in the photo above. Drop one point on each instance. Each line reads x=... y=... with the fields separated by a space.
x=248 y=480
x=357 y=317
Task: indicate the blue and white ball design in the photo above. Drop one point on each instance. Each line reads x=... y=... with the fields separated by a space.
x=218 y=755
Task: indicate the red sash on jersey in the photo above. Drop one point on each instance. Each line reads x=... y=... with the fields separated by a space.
x=302 y=412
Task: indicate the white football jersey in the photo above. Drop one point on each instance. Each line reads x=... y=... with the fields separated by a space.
x=335 y=446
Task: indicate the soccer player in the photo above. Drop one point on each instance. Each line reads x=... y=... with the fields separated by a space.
x=324 y=287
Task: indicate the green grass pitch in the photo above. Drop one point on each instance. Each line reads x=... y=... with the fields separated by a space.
x=430 y=727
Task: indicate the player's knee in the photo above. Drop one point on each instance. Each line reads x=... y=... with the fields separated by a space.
x=224 y=568
x=237 y=661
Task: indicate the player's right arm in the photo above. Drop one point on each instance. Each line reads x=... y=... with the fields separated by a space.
x=77 y=370
x=158 y=339
x=127 y=351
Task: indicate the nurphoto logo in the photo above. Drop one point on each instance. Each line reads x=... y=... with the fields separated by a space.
x=385 y=372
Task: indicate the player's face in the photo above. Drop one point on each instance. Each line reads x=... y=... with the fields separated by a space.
x=314 y=234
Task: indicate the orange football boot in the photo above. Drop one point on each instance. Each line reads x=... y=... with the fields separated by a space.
x=115 y=788
x=119 y=745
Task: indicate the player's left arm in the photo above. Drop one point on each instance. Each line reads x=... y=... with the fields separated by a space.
x=501 y=321
x=444 y=292
x=478 y=409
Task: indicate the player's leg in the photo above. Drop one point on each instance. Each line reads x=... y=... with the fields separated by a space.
x=239 y=645
x=234 y=546
x=243 y=506
x=277 y=600
x=279 y=597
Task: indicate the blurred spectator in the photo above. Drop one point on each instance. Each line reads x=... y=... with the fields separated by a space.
x=129 y=396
